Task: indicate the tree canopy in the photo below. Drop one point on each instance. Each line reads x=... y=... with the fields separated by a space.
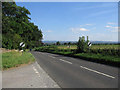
x=16 y=27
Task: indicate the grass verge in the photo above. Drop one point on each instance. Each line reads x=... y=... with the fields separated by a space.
x=15 y=59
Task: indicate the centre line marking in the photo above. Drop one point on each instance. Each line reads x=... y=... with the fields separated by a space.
x=51 y=56
x=97 y=72
x=65 y=61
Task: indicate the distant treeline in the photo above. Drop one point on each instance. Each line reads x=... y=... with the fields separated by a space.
x=16 y=27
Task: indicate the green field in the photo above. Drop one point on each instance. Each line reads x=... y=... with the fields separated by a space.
x=92 y=47
x=15 y=59
x=67 y=47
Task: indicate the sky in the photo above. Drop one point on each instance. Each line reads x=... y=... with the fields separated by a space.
x=67 y=21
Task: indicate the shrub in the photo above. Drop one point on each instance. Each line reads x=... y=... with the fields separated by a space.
x=82 y=45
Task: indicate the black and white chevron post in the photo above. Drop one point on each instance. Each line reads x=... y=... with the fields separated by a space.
x=22 y=44
x=89 y=44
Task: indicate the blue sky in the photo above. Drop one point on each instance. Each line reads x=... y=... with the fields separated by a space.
x=67 y=21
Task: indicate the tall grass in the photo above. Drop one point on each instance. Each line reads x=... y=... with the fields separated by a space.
x=15 y=59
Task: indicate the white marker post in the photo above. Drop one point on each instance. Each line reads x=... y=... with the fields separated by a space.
x=22 y=45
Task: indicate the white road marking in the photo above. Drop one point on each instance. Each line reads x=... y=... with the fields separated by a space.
x=38 y=66
x=42 y=53
x=36 y=71
x=97 y=72
x=51 y=56
x=65 y=61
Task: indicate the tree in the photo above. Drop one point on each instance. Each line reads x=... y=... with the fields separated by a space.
x=16 y=27
x=82 y=45
x=58 y=43
x=69 y=43
x=65 y=43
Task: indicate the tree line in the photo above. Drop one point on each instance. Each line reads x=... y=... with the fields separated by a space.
x=17 y=27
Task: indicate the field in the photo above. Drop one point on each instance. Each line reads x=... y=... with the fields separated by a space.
x=67 y=47
x=15 y=59
x=92 y=47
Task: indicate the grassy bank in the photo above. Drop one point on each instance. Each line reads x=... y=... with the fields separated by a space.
x=15 y=59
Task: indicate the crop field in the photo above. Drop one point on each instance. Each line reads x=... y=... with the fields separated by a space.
x=67 y=47
x=92 y=47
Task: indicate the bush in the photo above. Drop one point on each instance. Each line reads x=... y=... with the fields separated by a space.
x=82 y=45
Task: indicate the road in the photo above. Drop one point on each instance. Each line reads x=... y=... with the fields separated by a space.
x=70 y=72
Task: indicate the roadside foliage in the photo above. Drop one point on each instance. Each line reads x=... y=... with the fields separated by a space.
x=17 y=27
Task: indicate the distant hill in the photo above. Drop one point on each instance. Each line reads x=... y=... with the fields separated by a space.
x=94 y=42
x=104 y=42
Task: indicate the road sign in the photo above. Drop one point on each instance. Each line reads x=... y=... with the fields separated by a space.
x=22 y=44
x=89 y=44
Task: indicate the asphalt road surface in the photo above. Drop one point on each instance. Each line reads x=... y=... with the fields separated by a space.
x=70 y=72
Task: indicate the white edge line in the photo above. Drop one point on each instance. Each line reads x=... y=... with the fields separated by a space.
x=36 y=71
x=65 y=61
x=97 y=72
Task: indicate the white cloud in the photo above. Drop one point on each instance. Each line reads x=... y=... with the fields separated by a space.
x=83 y=29
x=111 y=23
x=116 y=27
x=113 y=29
x=49 y=31
x=108 y=26
x=86 y=25
x=77 y=30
